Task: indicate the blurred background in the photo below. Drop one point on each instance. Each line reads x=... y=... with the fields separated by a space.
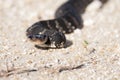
x=96 y=46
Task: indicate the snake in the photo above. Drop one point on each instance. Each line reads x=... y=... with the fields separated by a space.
x=51 y=33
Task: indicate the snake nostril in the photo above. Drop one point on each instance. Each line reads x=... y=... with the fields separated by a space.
x=38 y=36
x=30 y=36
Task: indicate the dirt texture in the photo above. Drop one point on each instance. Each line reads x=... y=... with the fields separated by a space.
x=93 y=55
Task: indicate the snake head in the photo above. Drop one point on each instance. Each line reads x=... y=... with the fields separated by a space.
x=38 y=38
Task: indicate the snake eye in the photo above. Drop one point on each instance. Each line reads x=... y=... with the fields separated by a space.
x=37 y=36
x=40 y=36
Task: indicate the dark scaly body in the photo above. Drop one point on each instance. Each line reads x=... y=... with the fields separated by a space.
x=50 y=33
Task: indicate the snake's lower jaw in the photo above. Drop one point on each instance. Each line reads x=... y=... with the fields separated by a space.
x=39 y=42
x=38 y=39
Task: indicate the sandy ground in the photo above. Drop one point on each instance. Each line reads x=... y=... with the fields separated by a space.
x=94 y=54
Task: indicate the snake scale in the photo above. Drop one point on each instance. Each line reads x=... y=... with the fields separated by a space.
x=51 y=33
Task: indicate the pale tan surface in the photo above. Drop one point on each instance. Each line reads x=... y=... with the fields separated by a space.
x=100 y=57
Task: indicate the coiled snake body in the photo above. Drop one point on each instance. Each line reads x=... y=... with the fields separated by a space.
x=51 y=33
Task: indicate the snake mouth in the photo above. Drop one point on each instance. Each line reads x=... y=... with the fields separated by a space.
x=38 y=39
